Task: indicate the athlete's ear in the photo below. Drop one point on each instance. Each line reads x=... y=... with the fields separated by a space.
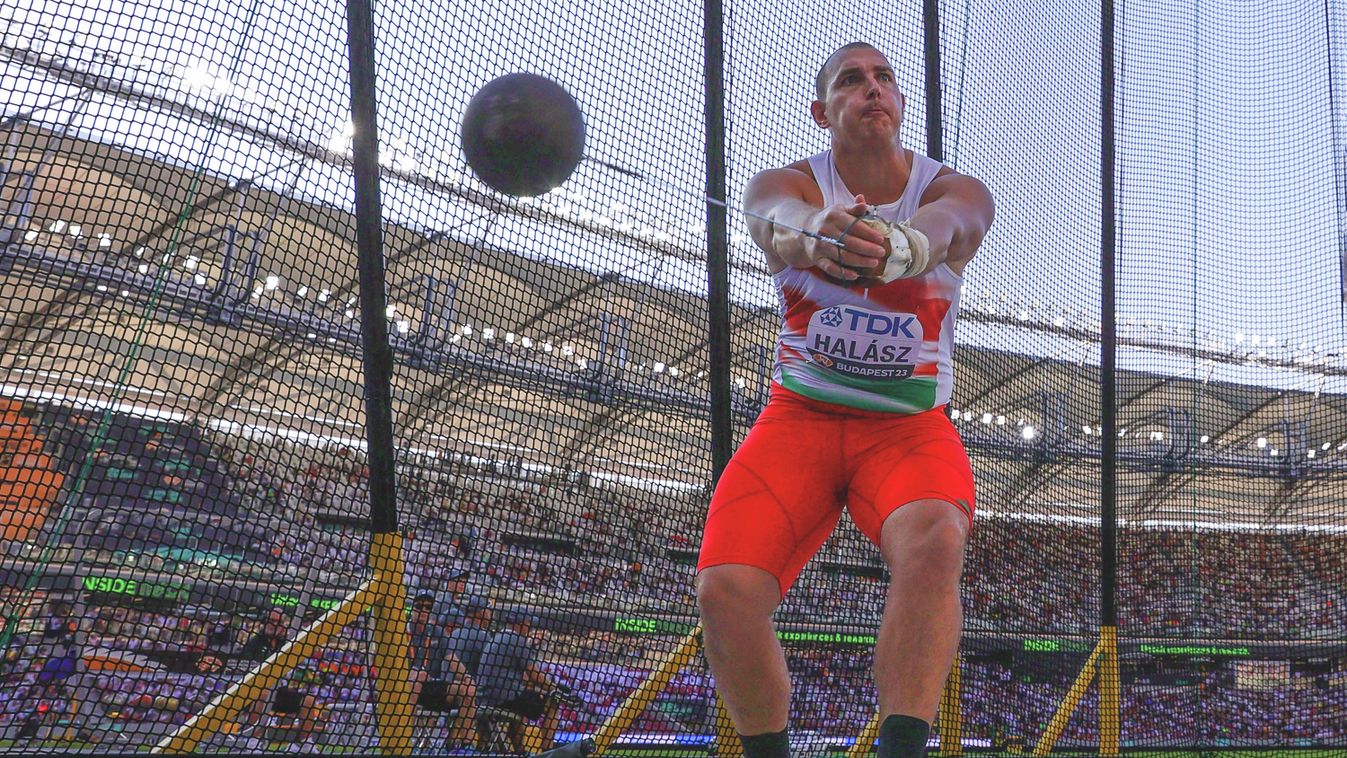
x=820 y=115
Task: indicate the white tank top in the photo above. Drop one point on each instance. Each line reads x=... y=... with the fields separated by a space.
x=884 y=348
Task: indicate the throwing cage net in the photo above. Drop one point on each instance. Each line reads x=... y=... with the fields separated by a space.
x=311 y=440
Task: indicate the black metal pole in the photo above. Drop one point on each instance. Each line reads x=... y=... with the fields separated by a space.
x=717 y=240
x=1339 y=151
x=1108 y=347
x=378 y=357
x=935 y=125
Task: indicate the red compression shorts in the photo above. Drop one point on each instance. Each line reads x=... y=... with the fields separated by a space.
x=783 y=492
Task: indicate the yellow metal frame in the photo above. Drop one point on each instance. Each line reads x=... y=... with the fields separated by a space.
x=728 y=744
x=648 y=690
x=951 y=713
x=865 y=741
x=1103 y=661
x=727 y=739
x=1110 y=693
x=950 y=720
x=385 y=593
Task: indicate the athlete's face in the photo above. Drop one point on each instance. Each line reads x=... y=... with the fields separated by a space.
x=862 y=98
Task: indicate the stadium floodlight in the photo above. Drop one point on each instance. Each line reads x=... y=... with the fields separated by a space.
x=1261 y=442
x=1029 y=432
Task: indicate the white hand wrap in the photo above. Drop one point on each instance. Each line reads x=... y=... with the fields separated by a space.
x=911 y=251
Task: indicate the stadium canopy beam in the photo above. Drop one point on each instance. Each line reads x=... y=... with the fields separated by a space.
x=1248 y=414
x=133 y=96
x=1289 y=494
x=1033 y=479
x=1006 y=381
x=1160 y=488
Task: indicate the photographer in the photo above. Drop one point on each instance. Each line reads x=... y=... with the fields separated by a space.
x=440 y=681
x=511 y=679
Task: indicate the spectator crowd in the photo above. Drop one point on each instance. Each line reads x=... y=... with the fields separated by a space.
x=295 y=516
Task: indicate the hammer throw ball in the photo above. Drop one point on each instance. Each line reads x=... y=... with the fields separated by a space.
x=523 y=134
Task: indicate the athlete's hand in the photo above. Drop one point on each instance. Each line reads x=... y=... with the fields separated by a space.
x=862 y=249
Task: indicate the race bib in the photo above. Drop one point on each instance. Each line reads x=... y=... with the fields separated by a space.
x=864 y=343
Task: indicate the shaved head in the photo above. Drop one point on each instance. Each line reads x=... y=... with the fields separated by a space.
x=825 y=71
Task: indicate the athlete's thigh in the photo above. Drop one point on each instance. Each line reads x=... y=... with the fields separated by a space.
x=912 y=458
x=778 y=499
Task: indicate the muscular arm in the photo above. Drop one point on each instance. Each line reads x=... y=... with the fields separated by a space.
x=955 y=213
x=789 y=196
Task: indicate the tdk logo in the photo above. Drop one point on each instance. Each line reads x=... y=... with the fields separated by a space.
x=865 y=322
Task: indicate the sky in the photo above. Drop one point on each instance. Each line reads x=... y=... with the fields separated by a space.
x=1231 y=174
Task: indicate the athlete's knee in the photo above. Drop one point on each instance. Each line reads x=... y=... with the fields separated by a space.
x=732 y=590
x=927 y=533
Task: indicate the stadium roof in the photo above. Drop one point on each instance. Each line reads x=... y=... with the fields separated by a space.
x=129 y=280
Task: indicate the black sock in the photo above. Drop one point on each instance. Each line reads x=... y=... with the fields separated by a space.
x=770 y=745
x=903 y=737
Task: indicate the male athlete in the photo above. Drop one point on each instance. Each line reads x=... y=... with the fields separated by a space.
x=856 y=417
